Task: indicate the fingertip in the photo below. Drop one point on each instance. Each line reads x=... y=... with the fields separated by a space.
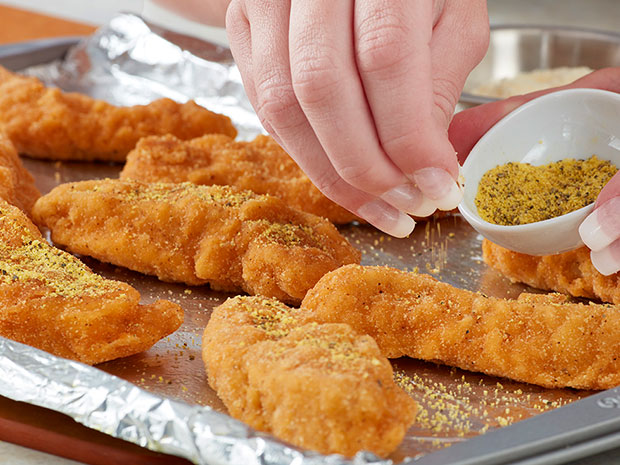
x=425 y=208
x=403 y=226
x=387 y=218
x=439 y=186
x=607 y=261
x=592 y=233
x=602 y=226
x=452 y=199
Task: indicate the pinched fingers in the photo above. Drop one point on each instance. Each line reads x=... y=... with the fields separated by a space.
x=394 y=63
x=600 y=231
x=329 y=91
x=259 y=36
x=413 y=58
x=348 y=88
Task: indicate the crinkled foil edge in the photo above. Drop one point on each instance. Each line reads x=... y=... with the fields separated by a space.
x=131 y=62
x=118 y=408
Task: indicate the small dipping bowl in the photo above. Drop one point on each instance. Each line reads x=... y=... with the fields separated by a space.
x=574 y=123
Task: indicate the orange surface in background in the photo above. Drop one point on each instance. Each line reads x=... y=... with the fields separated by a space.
x=18 y=25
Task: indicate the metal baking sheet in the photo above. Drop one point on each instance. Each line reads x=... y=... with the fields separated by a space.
x=455 y=404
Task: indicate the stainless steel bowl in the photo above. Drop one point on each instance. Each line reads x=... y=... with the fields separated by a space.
x=520 y=48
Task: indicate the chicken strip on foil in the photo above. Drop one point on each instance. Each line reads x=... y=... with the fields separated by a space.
x=261 y=166
x=539 y=339
x=318 y=386
x=52 y=301
x=45 y=122
x=569 y=272
x=232 y=239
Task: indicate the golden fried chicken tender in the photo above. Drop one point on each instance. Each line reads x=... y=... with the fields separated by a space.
x=318 y=386
x=569 y=272
x=51 y=300
x=234 y=240
x=538 y=339
x=48 y=123
x=16 y=183
x=261 y=166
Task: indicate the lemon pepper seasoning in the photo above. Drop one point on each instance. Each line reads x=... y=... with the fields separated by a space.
x=27 y=259
x=519 y=193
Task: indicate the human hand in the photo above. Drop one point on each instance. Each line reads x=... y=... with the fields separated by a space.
x=600 y=231
x=361 y=93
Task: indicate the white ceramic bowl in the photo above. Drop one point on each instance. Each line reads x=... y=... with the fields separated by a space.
x=575 y=123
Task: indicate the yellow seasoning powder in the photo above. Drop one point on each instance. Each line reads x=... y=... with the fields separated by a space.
x=519 y=193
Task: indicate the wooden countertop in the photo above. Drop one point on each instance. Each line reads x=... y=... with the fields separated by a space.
x=18 y=25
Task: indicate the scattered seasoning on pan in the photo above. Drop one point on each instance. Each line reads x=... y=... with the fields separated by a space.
x=466 y=410
x=519 y=193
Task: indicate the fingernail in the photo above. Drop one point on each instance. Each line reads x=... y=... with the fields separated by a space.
x=438 y=185
x=426 y=208
x=605 y=261
x=452 y=199
x=409 y=199
x=592 y=233
x=387 y=218
x=403 y=197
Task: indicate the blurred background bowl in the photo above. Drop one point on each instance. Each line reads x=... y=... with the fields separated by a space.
x=514 y=49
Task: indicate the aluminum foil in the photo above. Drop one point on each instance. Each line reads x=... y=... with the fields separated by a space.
x=118 y=408
x=160 y=399
x=129 y=62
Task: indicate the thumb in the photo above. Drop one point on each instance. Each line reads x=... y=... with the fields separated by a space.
x=611 y=190
x=600 y=231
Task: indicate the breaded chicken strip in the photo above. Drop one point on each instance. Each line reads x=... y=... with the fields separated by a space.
x=51 y=300
x=48 y=123
x=234 y=240
x=16 y=183
x=321 y=387
x=537 y=339
x=261 y=166
x=569 y=272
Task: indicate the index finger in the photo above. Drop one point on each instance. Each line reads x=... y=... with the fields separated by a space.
x=393 y=56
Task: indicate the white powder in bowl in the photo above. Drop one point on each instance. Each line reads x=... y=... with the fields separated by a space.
x=531 y=81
